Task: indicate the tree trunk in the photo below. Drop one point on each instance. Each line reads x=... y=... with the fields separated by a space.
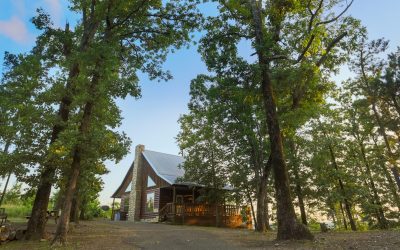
x=301 y=201
x=288 y=227
x=82 y=209
x=252 y=208
x=372 y=100
x=396 y=174
x=343 y=215
x=267 y=225
x=261 y=217
x=394 y=168
x=380 y=214
x=5 y=188
x=395 y=103
x=392 y=186
x=74 y=216
x=82 y=215
x=63 y=223
x=346 y=202
x=332 y=213
x=37 y=221
x=5 y=151
x=298 y=189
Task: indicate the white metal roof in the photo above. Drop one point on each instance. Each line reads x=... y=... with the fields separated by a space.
x=165 y=165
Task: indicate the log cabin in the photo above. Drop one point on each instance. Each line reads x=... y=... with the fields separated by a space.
x=153 y=191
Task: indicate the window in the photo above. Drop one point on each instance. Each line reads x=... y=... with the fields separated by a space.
x=126 y=204
x=129 y=187
x=150 y=182
x=150 y=202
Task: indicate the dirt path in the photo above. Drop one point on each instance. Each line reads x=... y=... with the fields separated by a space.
x=127 y=235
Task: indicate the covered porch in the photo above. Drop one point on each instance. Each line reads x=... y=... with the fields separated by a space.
x=184 y=204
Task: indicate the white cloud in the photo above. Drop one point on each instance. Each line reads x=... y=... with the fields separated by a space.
x=55 y=9
x=15 y=29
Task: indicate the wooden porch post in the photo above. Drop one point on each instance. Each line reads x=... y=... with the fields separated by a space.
x=173 y=203
x=183 y=214
x=193 y=195
x=216 y=215
x=173 y=195
x=112 y=210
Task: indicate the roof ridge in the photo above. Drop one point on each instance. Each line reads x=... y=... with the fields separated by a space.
x=163 y=153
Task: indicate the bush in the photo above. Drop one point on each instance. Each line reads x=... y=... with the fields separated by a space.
x=93 y=210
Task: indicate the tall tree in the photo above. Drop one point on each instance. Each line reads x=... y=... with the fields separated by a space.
x=225 y=120
x=369 y=70
x=132 y=35
x=56 y=45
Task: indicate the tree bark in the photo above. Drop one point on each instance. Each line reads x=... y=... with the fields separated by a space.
x=343 y=215
x=38 y=219
x=288 y=227
x=298 y=189
x=299 y=194
x=63 y=221
x=5 y=151
x=261 y=217
x=74 y=216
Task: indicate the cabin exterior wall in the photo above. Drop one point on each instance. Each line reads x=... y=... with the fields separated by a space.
x=148 y=190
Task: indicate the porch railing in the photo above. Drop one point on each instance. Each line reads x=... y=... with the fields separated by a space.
x=191 y=209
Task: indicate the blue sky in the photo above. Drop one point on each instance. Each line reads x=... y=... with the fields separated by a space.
x=152 y=120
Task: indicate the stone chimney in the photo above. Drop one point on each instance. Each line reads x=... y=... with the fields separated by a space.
x=136 y=192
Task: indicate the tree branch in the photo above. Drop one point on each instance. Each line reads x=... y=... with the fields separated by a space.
x=337 y=17
x=330 y=47
x=313 y=14
x=130 y=14
x=301 y=56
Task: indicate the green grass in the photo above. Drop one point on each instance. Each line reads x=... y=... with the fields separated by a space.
x=17 y=211
x=17 y=220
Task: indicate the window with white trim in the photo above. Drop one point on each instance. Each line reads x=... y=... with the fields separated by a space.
x=150 y=202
